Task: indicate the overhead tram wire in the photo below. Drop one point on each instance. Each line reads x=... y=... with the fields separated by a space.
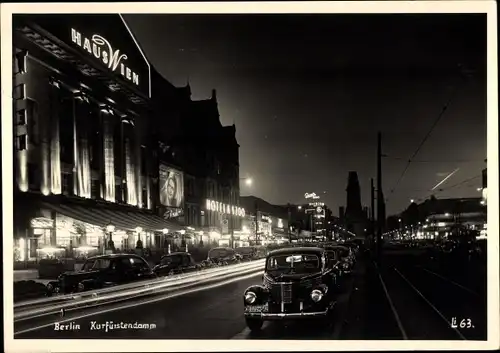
x=439 y=117
x=434 y=161
x=449 y=187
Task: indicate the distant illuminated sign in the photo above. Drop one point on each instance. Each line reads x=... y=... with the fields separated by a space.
x=316 y=204
x=311 y=195
x=223 y=208
x=101 y=49
x=266 y=219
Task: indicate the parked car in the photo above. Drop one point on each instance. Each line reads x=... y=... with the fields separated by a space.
x=346 y=258
x=335 y=261
x=103 y=271
x=246 y=252
x=297 y=284
x=223 y=256
x=175 y=263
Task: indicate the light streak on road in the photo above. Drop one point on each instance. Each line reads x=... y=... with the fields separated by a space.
x=143 y=302
x=144 y=289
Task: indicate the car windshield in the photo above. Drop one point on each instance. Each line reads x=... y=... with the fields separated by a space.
x=342 y=252
x=293 y=263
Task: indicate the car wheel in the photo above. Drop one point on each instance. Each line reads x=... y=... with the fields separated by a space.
x=254 y=324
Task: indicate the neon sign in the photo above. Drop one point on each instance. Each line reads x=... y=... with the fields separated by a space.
x=311 y=195
x=223 y=208
x=100 y=48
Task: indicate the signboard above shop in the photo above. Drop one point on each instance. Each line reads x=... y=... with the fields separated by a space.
x=105 y=41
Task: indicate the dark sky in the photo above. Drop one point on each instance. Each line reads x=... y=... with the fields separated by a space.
x=308 y=94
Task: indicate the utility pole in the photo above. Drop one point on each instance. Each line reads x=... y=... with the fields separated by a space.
x=379 y=193
x=372 y=211
x=231 y=197
x=288 y=224
x=256 y=223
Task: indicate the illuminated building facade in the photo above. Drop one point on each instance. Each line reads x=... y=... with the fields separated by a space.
x=193 y=142
x=441 y=219
x=82 y=172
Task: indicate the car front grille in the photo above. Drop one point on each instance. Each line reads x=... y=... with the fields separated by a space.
x=286 y=293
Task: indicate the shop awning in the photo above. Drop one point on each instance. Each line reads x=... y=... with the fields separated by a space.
x=124 y=220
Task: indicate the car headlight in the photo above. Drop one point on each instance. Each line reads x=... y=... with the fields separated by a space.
x=50 y=287
x=250 y=297
x=346 y=265
x=316 y=295
x=81 y=287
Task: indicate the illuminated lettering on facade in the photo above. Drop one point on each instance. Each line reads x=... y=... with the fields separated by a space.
x=101 y=49
x=223 y=208
x=311 y=195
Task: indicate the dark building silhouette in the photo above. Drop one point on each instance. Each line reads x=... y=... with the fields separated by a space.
x=341 y=213
x=354 y=217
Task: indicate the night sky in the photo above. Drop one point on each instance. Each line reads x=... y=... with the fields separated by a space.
x=308 y=94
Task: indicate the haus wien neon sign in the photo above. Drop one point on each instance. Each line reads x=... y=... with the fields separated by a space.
x=101 y=49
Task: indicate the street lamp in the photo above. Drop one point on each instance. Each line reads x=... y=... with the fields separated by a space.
x=109 y=245
x=139 y=242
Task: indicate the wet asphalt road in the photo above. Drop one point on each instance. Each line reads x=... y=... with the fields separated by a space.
x=408 y=295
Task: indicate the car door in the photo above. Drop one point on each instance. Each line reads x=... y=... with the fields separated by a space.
x=188 y=263
x=176 y=264
x=141 y=268
x=331 y=263
x=108 y=271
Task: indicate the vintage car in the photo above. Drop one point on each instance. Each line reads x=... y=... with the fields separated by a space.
x=175 y=263
x=223 y=256
x=335 y=261
x=247 y=252
x=103 y=271
x=297 y=284
x=345 y=256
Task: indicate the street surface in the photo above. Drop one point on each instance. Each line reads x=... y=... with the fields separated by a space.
x=408 y=295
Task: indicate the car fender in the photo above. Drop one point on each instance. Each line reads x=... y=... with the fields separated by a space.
x=259 y=290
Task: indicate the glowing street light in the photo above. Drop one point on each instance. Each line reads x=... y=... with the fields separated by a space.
x=248 y=181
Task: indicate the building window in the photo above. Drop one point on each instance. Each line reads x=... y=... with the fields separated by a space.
x=95 y=140
x=33 y=176
x=66 y=138
x=145 y=198
x=94 y=190
x=22 y=142
x=66 y=183
x=143 y=161
x=21 y=117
